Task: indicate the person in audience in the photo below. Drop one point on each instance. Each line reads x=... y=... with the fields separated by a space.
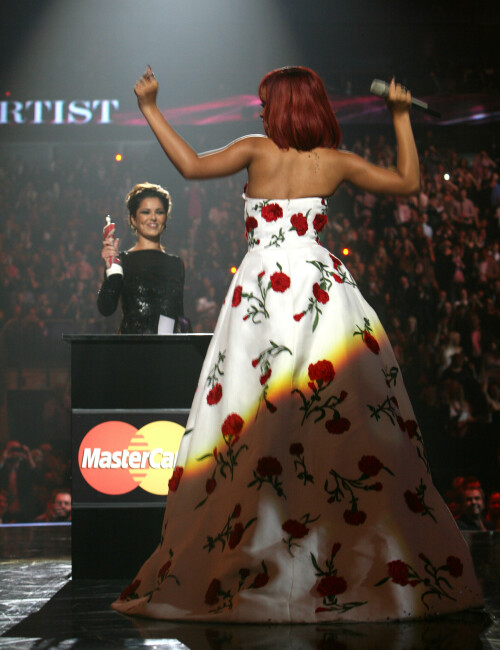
x=58 y=508
x=472 y=509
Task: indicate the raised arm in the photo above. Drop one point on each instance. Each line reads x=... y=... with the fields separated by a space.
x=372 y=178
x=223 y=162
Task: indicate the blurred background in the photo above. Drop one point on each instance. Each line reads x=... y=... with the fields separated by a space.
x=73 y=143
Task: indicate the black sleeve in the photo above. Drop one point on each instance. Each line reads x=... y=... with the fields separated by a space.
x=109 y=294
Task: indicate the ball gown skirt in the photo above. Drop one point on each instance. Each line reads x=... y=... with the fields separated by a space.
x=302 y=491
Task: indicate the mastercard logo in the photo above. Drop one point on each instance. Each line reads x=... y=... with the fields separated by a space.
x=115 y=457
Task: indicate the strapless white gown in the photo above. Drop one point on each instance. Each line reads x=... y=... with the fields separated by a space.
x=302 y=491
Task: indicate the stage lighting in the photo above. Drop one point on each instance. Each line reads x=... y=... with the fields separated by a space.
x=346 y=251
x=118 y=157
x=233 y=269
x=446 y=176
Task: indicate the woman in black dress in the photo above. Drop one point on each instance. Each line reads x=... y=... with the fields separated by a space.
x=148 y=281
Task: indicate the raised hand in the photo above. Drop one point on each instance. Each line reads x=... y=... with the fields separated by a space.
x=109 y=250
x=146 y=89
x=399 y=98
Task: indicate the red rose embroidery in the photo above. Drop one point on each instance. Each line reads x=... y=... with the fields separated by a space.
x=269 y=466
x=236 y=511
x=237 y=296
x=331 y=586
x=261 y=580
x=335 y=549
x=165 y=569
x=342 y=395
x=370 y=465
x=336 y=261
x=401 y=423
x=271 y=212
x=296 y=449
x=455 y=566
x=214 y=395
x=236 y=535
x=395 y=401
x=413 y=502
x=337 y=278
x=232 y=427
x=320 y=295
x=251 y=223
x=398 y=572
x=295 y=528
x=261 y=274
x=299 y=222
x=320 y=222
x=265 y=377
x=131 y=589
x=280 y=282
x=173 y=483
x=321 y=371
x=215 y=453
x=212 y=595
x=298 y=317
x=371 y=342
x=255 y=362
x=411 y=427
x=210 y=485
x=378 y=487
x=338 y=426
x=354 y=518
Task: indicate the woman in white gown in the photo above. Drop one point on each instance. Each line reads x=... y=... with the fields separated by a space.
x=302 y=491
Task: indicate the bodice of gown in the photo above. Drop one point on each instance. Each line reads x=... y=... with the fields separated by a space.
x=290 y=223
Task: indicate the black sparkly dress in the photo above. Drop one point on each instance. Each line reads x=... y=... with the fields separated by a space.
x=152 y=284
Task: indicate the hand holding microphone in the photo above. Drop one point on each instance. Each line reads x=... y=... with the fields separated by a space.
x=381 y=89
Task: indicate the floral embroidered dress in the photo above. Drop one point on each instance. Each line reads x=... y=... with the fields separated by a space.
x=302 y=491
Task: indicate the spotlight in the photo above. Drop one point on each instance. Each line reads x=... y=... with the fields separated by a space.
x=118 y=157
x=446 y=176
x=233 y=270
x=346 y=251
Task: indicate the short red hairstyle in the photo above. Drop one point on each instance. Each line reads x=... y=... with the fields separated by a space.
x=297 y=112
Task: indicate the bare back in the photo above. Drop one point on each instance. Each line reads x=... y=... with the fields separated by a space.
x=287 y=174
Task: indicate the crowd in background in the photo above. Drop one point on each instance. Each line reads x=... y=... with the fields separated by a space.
x=428 y=264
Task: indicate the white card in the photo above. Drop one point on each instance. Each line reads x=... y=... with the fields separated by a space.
x=166 y=325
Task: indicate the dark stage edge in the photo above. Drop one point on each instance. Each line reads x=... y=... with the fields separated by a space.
x=41 y=607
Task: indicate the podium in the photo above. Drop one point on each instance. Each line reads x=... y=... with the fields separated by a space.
x=123 y=386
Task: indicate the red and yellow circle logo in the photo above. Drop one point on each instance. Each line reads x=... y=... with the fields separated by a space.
x=115 y=457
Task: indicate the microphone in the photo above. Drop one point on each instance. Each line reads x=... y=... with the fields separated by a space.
x=381 y=89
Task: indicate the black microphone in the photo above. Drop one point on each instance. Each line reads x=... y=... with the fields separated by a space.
x=381 y=89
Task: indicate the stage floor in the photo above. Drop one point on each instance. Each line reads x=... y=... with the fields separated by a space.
x=41 y=607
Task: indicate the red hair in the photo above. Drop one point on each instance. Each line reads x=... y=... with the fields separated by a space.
x=297 y=112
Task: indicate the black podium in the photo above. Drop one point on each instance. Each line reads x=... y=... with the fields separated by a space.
x=135 y=390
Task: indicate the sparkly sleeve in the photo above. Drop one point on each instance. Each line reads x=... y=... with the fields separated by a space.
x=109 y=294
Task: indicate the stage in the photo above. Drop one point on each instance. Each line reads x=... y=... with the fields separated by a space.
x=42 y=607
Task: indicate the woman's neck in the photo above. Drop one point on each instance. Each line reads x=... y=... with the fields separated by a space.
x=144 y=244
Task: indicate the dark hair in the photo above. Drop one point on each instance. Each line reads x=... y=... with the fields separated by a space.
x=297 y=112
x=144 y=191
